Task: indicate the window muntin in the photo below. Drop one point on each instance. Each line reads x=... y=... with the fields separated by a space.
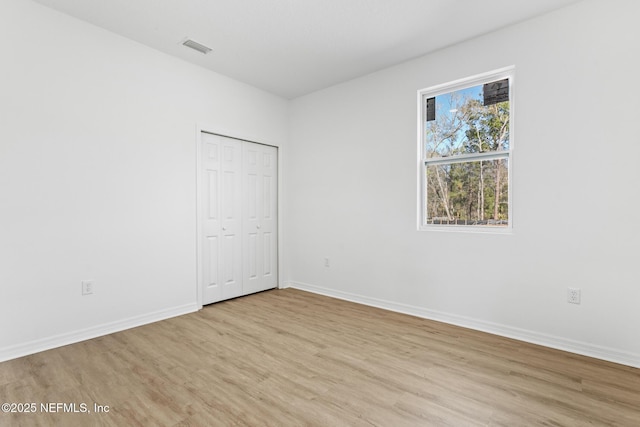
x=465 y=147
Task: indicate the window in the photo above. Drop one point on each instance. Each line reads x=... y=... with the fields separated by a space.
x=466 y=141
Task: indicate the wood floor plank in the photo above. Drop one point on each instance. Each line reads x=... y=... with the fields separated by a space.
x=292 y=358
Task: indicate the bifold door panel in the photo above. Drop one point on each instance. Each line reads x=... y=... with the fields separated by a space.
x=260 y=219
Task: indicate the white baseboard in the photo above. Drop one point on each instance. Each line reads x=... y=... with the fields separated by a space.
x=36 y=346
x=285 y=285
x=585 y=349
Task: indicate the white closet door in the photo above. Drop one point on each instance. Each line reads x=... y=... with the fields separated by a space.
x=210 y=193
x=231 y=218
x=260 y=217
x=221 y=256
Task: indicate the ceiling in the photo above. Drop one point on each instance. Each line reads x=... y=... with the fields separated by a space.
x=294 y=47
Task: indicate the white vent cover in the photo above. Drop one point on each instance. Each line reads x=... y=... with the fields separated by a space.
x=196 y=46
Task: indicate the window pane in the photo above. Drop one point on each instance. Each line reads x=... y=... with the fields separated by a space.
x=462 y=124
x=468 y=193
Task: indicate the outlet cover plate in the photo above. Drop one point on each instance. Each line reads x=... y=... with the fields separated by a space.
x=573 y=295
x=87 y=287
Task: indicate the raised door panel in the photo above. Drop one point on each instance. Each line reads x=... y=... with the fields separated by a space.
x=260 y=219
x=269 y=217
x=231 y=218
x=252 y=240
x=210 y=262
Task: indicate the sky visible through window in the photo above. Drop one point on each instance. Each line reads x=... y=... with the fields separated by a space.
x=443 y=102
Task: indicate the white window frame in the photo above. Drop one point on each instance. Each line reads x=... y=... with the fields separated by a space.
x=433 y=91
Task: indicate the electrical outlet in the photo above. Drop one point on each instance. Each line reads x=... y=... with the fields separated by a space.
x=326 y=262
x=87 y=287
x=573 y=295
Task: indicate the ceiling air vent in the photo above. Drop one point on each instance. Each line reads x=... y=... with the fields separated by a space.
x=196 y=46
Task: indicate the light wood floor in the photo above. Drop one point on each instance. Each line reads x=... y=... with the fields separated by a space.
x=291 y=358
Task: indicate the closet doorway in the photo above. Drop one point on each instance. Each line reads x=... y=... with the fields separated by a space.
x=238 y=217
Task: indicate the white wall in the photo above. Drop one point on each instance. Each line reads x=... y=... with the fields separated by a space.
x=97 y=175
x=352 y=189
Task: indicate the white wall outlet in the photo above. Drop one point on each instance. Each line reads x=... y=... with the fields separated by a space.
x=326 y=262
x=573 y=295
x=87 y=287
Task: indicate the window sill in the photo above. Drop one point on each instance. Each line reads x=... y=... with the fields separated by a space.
x=466 y=229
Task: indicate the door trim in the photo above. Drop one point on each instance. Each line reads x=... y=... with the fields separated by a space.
x=240 y=135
